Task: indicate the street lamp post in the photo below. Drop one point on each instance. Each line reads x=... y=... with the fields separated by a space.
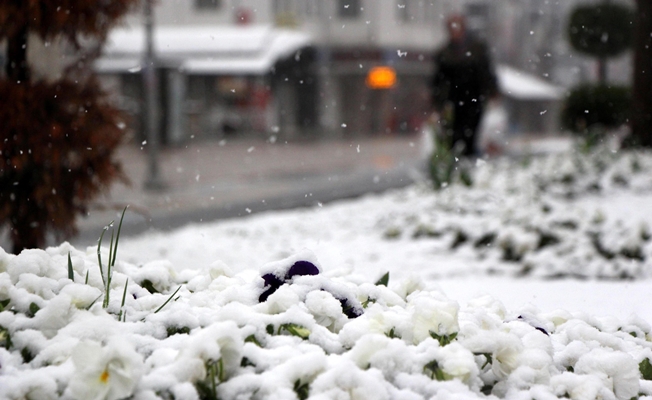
x=153 y=181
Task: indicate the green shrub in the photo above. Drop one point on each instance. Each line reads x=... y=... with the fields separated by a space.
x=596 y=106
x=603 y=30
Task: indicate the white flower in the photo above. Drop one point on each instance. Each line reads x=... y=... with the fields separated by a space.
x=326 y=309
x=506 y=357
x=457 y=362
x=618 y=371
x=219 y=268
x=432 y=312
x=281 y=300
x=104 y=373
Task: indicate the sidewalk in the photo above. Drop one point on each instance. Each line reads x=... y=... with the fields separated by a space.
x=211 y=180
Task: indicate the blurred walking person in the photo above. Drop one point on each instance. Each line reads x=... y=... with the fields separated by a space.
x=463 y=81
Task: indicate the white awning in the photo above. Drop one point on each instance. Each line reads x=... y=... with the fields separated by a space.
x=204 y=50
x=523 y=86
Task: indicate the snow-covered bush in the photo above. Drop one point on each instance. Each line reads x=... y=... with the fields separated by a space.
x=291 y=330
x=529 y=213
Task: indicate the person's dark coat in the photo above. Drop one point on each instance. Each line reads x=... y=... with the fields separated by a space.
x=464 y=79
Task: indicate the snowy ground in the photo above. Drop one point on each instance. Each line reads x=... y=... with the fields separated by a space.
x=560 y=243
x=411 y=232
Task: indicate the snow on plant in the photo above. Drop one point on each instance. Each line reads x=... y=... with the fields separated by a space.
x=314 y=336
x=108 y=372
x=529 y=213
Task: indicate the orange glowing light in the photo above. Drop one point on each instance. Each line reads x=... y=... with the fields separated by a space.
x=381 y=78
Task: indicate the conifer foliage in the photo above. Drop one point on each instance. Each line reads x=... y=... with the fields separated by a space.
x=57 y=138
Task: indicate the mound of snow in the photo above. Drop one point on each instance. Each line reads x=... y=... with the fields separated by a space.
x=218 y=337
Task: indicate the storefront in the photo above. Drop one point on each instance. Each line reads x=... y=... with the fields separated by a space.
x=213 y=81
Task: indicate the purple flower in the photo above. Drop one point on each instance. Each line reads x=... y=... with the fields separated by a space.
x=350 y=310
x=273 y=282
x=301 y=268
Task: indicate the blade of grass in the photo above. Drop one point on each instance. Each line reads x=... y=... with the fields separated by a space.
x=94 y=301
x=86 y=280
x=115 y=250
x=71 y=275
x=124 y=296
x=110 y=250
x=99 y=250
x=168 y=300
x=109 y=274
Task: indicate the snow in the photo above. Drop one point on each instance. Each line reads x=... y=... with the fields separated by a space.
x=523 y=86
x=204 y=49
x=533 y=283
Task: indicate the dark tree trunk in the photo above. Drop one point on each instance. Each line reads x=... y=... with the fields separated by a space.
x=642 y=83
x=16 y=68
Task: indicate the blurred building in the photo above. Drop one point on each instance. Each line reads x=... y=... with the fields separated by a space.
x=301 y=68
x=290 y=68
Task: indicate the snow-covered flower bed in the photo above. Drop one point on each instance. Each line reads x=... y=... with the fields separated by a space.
x=295 y=305
x=528 y=217
x=290 y=331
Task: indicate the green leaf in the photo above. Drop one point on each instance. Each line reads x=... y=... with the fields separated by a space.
x=245 y=362
x=71 y=275
x=252 y=339
x=4 y=304
x=175 y=330
x=5 y=338
x=207 y=388
x=149 y=286
x=27 y=355
x=384 y=280
x=487 y=389
x=369 y=300
x=646 y=369
x=392 y=334
x=296 y=330
x=488 y=359
x=301 y=389
x=433 y=371
x=443 y=339
x=33 y=309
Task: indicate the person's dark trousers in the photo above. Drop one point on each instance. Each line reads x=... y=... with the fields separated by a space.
x=465 y=128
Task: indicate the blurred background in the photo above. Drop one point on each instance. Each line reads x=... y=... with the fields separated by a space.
x=300 y=68
x=342 y=84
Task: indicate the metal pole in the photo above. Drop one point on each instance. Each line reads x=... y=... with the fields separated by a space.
x=153 y=181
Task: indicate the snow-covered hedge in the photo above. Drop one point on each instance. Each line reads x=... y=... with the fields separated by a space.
x=526 y=217
x=290 y=330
